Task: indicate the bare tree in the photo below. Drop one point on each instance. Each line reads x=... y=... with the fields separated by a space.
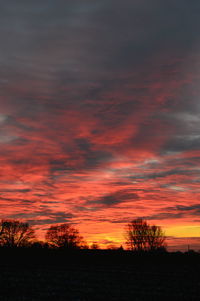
x=1 y=229
x=136 y=232
x=64 y=236
x=141 y=236
x=14 y=233
x=156 y=238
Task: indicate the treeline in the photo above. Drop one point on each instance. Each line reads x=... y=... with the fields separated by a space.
x=139 y=236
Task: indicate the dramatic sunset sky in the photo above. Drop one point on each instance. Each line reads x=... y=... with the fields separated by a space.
x=100 y=115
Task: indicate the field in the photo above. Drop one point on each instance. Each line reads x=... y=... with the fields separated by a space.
x=99 y=276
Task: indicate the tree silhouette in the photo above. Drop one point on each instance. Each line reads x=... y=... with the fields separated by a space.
x=141 y=236
x=14 y=233
x=64 y=236
x=156 y=238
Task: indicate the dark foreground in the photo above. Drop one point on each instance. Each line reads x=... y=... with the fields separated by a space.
x=98 y=275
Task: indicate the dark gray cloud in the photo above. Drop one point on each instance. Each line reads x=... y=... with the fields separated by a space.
x=15 y=200
x=92 y=157
x=116 y=198
x=52 y=217
x=25 y=190
x=162 y=174
x=195 y=208
x=165 y=215
x=181 y=144
x=69 y=41
x=177 y=212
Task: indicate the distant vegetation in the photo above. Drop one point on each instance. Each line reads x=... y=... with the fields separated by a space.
x=140 y=236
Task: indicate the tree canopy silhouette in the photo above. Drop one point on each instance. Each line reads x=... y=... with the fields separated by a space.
x=64 y=236
x=140 y=236
x=14 y=233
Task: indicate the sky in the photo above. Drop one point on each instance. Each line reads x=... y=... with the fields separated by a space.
x=100 y=116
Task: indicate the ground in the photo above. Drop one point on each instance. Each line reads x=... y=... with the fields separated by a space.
x=98 y=278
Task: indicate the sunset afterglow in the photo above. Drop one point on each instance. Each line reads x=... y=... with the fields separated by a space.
x=100 y=116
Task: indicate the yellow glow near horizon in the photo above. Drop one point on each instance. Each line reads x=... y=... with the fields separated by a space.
x=183 y=231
